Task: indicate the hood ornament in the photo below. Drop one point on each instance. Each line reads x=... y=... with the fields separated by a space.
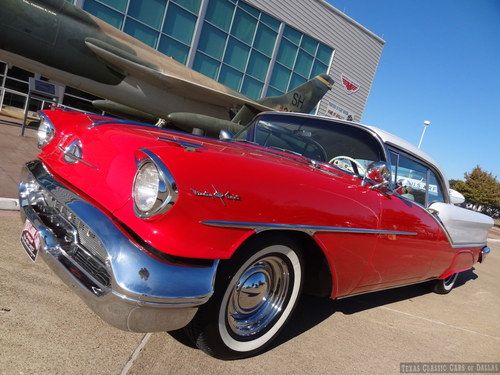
x=73 y=153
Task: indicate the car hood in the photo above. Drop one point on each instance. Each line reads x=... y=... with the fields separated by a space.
x=107 y=166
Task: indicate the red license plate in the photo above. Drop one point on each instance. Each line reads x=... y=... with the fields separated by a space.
x=30 y=238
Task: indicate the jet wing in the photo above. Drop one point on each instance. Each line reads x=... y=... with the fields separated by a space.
x=127 y=63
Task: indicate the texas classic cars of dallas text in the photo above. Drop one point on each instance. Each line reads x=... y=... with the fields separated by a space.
x=158 y=230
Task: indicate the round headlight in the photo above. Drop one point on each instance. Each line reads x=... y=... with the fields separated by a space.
x=46 y=131
x=146 y=187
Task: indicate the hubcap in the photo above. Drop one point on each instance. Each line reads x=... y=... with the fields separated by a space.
x=259 y=296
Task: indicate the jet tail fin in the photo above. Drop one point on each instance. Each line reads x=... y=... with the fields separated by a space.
x=303 y=98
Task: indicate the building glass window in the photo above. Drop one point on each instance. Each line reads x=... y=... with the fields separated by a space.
x=273 y=92
x=273 y=23
x=287 y=53
x=305 y=56
x=206 y=65
x=191 y=5
x=236 y=54
x=303 y=64
x=248 y=8
x=148 y=11
x=220 y=13
x=244 y=26
x=318 y=68
x=144 y=20
x=235 y=46
x=265 y=39
x=104 y=13
x=179 y=24
x=296 y=81
x=258 y=65
x=212 y=41
x=324 y=54
x=251 y=88
x=120 y=5
x=292 y=35
x=309 y=45
x=142 y=32
x=230 y=77
x=280 y=77
x=173 y=48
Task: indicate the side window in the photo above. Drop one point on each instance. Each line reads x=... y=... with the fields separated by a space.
x=435 y=192
x=413 y=177
x=394 y=166
x=414 y=180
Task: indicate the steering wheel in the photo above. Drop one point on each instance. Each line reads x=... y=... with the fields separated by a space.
x=355 y=167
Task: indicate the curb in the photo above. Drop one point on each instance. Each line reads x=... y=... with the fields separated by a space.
x=9 y=204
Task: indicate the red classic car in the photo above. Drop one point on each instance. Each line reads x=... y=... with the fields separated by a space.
x=158 y=230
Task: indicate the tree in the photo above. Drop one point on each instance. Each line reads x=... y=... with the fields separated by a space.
x=479 y=188
x=456 y=184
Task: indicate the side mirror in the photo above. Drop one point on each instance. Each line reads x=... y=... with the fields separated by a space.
x=225 y=135
x=456 y=197
x=378 y=173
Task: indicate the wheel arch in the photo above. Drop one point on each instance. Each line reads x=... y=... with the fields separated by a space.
x=318 y=275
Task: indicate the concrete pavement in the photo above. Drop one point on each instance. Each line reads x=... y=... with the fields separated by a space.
x=45 y=328
x=14 y=152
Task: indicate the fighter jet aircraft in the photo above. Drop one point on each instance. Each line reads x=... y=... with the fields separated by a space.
x=70 y=46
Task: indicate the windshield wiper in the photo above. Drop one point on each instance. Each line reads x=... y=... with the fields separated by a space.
x=245 y=141
x=287 y=151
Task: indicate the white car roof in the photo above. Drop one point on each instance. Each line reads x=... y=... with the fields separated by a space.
x=404 y=145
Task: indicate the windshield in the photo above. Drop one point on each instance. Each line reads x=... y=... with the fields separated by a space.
x=345 y=146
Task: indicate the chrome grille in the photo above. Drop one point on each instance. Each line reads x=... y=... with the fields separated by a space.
x=91 y=265
x=86 y=237
x=78 y=241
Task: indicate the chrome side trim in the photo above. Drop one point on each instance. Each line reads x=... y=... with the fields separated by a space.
x=185 y=144
x=118 y=121
x=311 y=229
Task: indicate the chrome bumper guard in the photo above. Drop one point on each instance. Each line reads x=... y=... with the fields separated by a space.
x=126 y=287
x=484 y=252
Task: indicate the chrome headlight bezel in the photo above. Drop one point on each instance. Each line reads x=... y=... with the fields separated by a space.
x=167 y=188
x=46 y=131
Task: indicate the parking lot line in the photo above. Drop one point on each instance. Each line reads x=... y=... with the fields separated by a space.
x=135 y=354
x=439 y=322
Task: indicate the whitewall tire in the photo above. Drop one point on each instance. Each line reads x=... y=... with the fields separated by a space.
x=445 y=286
x=255 y=294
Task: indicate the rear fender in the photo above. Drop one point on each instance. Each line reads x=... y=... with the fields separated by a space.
x=463 y=260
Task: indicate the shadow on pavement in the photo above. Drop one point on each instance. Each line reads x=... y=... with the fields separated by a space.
x=313 y=310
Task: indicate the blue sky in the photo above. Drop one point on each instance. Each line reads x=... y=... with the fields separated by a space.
x=441 y=62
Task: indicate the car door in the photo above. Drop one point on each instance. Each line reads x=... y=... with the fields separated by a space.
x=409 y=257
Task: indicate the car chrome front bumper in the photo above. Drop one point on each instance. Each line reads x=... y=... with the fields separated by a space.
x=119 y=281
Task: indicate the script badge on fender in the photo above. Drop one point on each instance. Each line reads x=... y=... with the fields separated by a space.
x=30 y=238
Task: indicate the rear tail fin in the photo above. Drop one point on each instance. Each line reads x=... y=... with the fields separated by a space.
x=303 y=98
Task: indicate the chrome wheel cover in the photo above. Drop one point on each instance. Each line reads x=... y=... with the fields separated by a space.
x=259 y=296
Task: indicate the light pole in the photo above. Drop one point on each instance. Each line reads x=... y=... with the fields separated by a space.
x=426 y=124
